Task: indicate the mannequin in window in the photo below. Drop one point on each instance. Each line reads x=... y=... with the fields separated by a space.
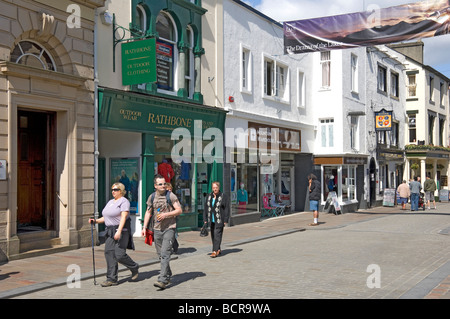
x=242 y=199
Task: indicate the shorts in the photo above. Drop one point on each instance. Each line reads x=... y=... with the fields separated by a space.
x=429 y=196
x=313 y=205
x=403 y=200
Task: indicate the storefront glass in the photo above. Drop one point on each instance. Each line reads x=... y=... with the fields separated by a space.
x=340 y=179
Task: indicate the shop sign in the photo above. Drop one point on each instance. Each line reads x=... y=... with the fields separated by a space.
x=383 y=120
x=128 y=112
x=262 y=134
x=164 y=65
x=139 y=62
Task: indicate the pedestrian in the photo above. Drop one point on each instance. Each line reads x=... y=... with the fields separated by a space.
x=404 y=193
x=314 y=197
x=164 y=223
x=118 y=235
x=429 y=186
x=415 y=189
x=216 y=212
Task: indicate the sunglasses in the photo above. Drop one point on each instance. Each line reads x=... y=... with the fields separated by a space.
x=160 y=184
x=115 y=189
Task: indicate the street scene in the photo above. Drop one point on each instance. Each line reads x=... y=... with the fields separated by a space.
x=224 y=150
x=382 y=253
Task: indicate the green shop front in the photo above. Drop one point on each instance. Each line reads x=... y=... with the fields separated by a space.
x=141 y=135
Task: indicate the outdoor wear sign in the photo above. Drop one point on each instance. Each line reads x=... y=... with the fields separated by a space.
x=139 y=62
x=383 y=120
x=372 y=27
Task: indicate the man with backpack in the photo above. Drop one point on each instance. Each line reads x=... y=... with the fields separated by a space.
x=164 y=207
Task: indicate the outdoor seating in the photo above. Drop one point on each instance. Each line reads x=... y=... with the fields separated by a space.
x=268 y=210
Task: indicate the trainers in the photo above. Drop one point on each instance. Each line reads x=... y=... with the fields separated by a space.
x=134 y=274
x=160 y=285
x=109 y=283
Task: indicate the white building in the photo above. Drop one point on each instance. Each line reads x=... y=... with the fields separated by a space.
x=260 y=87
x=353 y=157
x=427 y=107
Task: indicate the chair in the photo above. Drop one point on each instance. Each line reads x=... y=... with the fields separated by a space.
x=268 y=210
x=280 y=208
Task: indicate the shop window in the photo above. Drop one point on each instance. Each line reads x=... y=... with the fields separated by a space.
x=348 y=183
x=32 y=54
x=330 y=181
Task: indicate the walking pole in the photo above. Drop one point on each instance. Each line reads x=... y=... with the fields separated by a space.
x=92 y=237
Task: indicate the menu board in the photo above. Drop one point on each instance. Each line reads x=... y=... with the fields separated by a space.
x=389 y=197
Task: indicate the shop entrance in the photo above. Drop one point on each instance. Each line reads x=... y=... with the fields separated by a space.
x=35 y=187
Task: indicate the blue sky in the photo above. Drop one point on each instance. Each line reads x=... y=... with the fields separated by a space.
x=436 y=49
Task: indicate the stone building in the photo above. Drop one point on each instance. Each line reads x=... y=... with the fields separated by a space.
x=47 y=94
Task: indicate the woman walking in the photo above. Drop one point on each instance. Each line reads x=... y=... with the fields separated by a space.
x=118 y=235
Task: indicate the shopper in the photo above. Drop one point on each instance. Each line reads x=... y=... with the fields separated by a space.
x=314 y=197
x=164 y=211
x=415 y=189
x=429 y=187
x=404 y=193
x=216 y=213
x=118 y=235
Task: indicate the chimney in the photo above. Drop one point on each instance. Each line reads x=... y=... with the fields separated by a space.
x=413 y=50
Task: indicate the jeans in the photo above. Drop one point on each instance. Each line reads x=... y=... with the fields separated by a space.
x=164 y=243
x=414 y=201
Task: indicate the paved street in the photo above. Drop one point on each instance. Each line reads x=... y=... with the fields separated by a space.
x=406 y=254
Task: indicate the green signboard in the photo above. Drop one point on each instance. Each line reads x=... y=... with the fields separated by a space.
x=139 y=62
x=133 y=112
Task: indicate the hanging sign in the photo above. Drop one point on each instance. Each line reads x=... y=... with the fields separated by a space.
x=383 y=120
x=372 y=27
x=139 y=62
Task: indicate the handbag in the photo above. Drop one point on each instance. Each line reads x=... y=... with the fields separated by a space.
x=149 y=237
x=204 y=230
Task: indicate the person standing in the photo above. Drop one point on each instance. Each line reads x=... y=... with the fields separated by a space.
x=415 y=189
x=429 y=186
x=216 y=213
x=314 y=197
x=164 y=226
x=118 y=235
x=404 y=193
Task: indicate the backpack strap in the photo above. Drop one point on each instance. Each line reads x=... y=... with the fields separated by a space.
x=168 y=200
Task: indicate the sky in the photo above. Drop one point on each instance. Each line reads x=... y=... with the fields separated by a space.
x=436 y=49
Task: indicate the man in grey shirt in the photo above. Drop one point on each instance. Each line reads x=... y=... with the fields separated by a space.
x=415 y=188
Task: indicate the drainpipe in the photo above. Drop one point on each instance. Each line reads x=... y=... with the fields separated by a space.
x=96 y=153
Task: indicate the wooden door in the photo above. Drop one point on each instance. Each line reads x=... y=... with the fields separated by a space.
x=34 y=169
